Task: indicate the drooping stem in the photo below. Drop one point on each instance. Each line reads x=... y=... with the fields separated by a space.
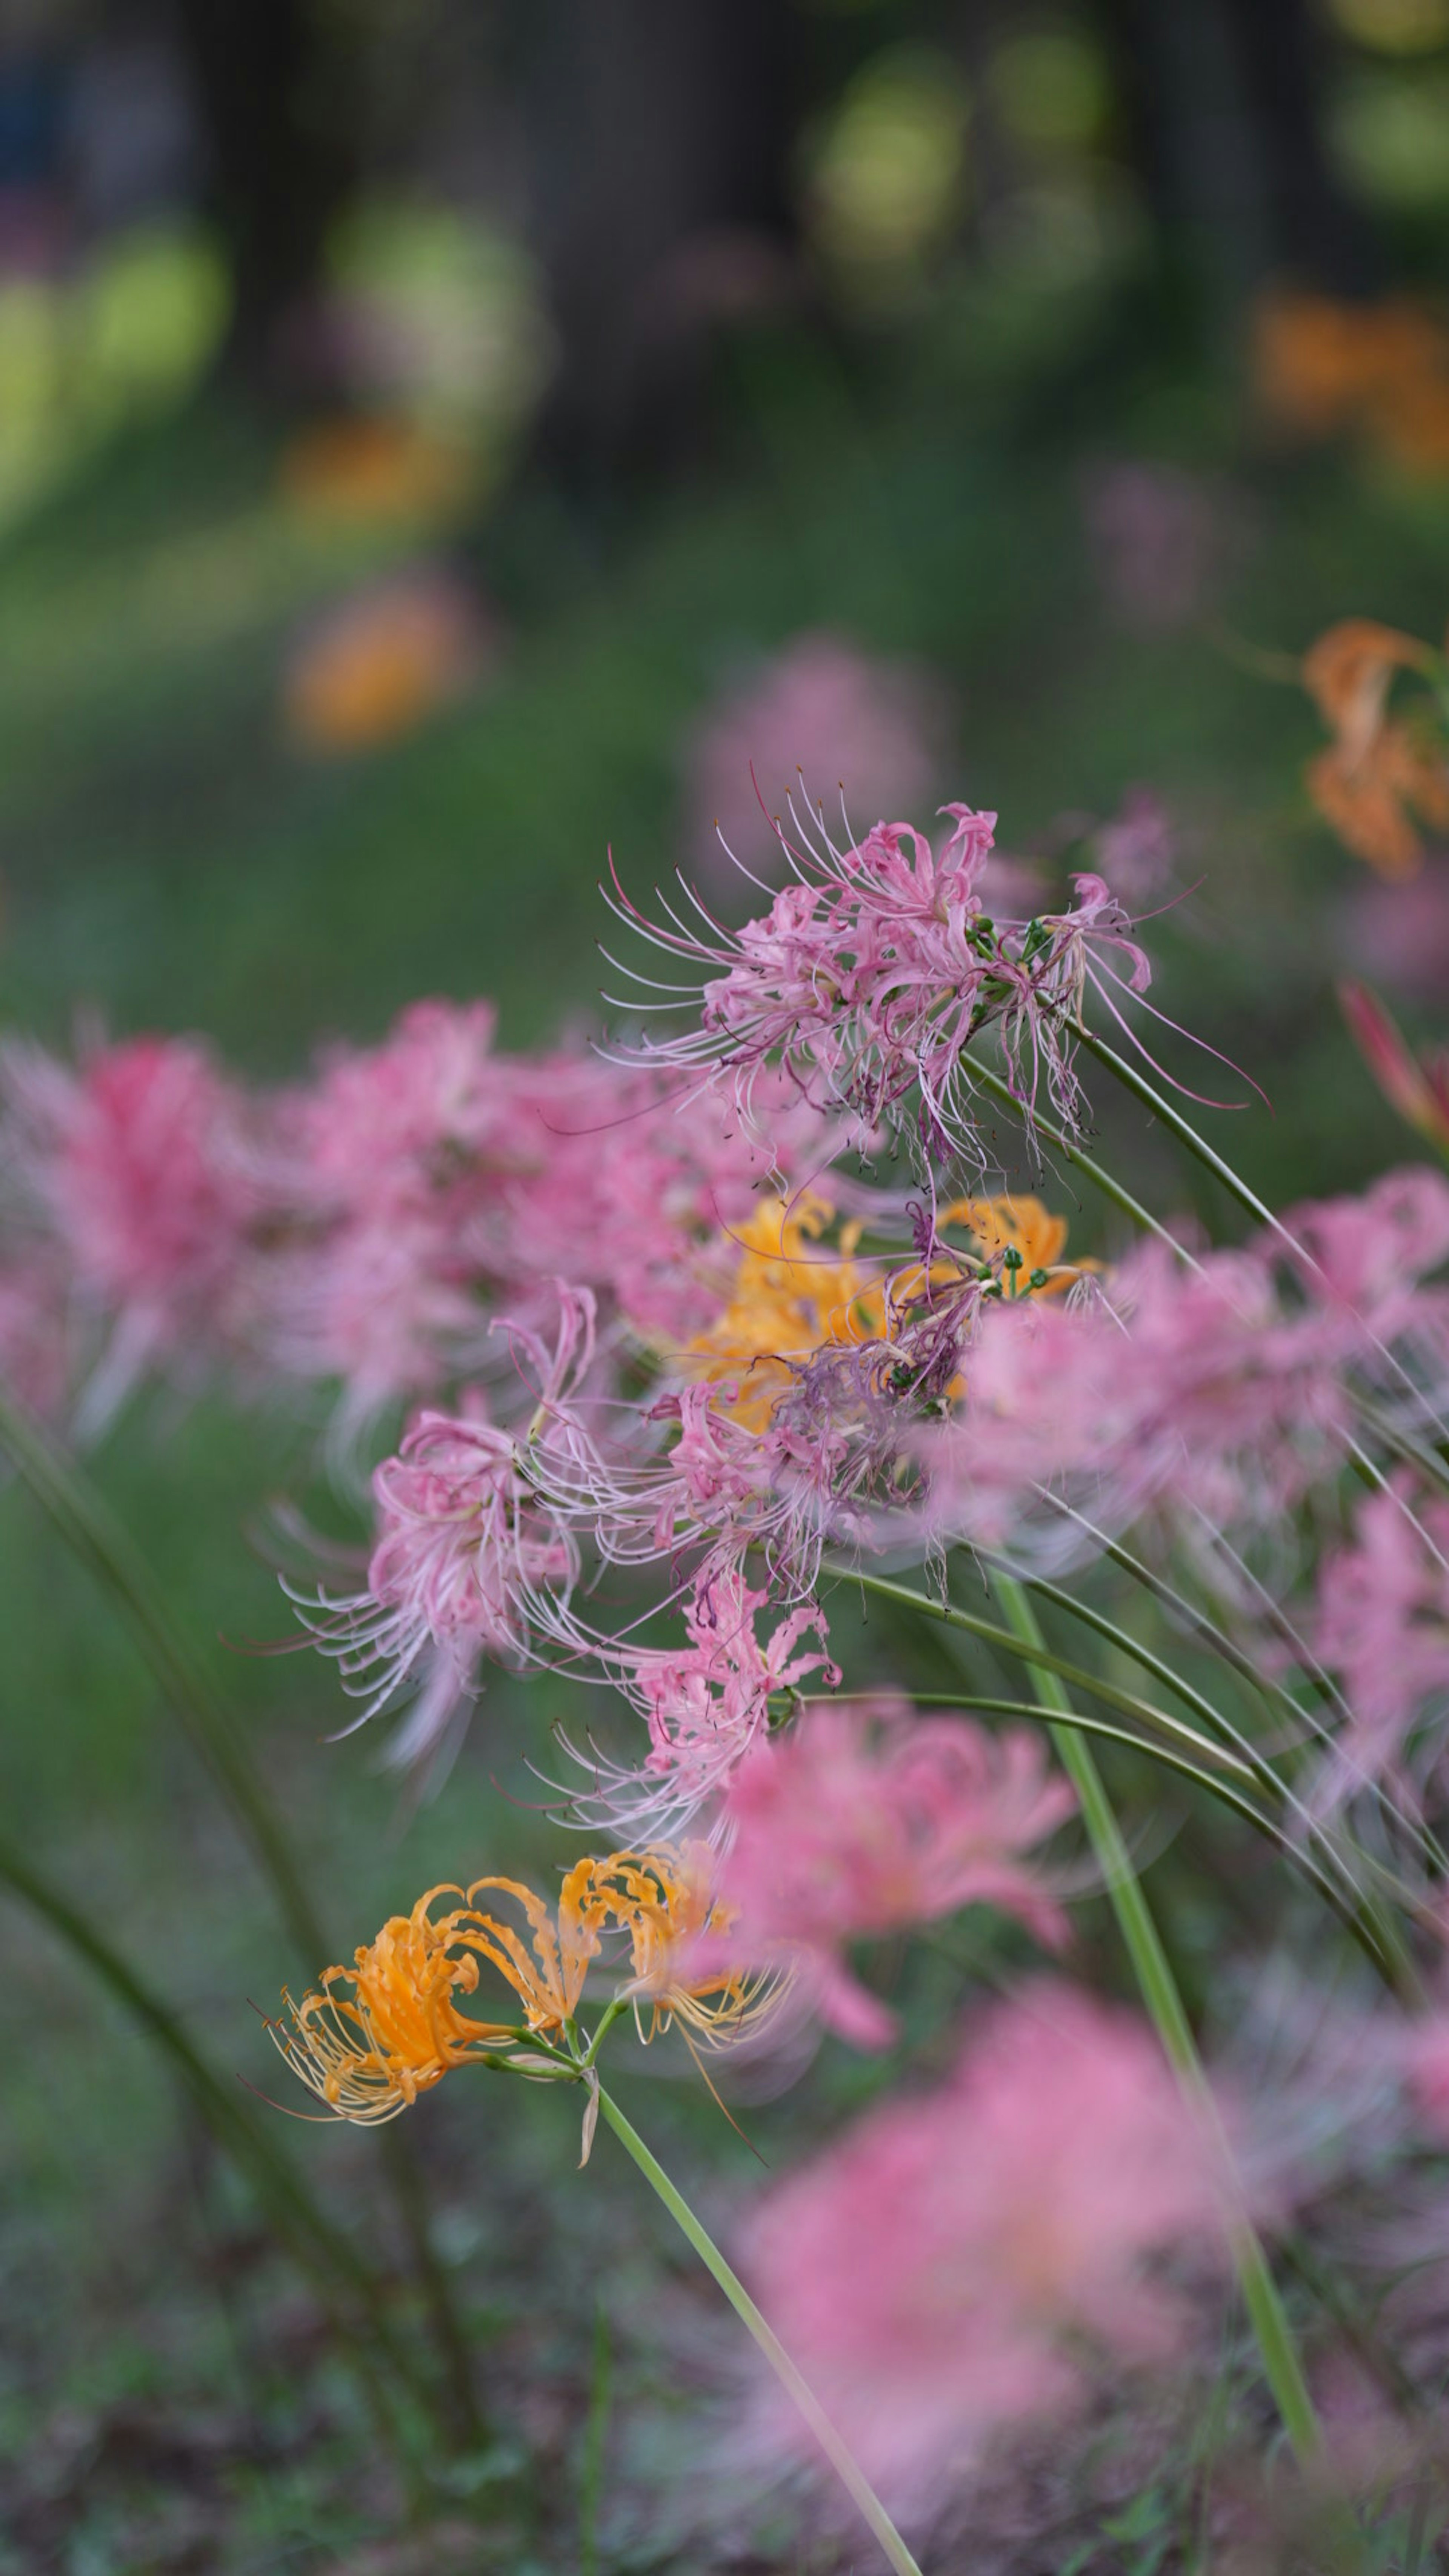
x=838 y=2453
x=1160 y=1994
x=80 y=1514
x=1338 y=1890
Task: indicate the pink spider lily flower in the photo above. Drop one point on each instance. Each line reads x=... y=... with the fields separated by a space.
x=818 y=707
x=864 y=1820
x=1184 y=1391
x=136 y=1163
x=705 y=1702
x=383 y=1125
x=1417 y=1086
x=875 y=969
x=1367 y=1255
x=474 y=1556
x=1382 y=1624
x=956 y=2261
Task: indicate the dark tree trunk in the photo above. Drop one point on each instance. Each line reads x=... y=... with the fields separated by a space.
x=268 y=86
x=1222 y=102
x=1313 y=228
x=662 y=134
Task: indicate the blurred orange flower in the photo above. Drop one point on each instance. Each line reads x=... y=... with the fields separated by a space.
x=381 y=663
x=372 y=468
x=1322 y=365
x=1381 y=776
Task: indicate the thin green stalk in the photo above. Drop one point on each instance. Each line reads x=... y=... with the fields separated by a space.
x=1182 y=1128
x=1178 y=1606
x=1143 y=1656
x=1347 y=1905
x=1160 y=1994
x=84 y=1520
x=841 y=2459
x=1351 y=1903
x=1037 y=1653
x=323 y=2251
x=1100 y=1178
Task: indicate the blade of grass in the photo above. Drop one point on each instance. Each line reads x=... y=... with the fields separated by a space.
x=322 y=2251
x=82 y=1517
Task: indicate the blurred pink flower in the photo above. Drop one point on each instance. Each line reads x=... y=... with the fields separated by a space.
x=866 y=1819
x=1398 y=932
x=136 y=1163
x=1136 y=849
x=1371 y=1252
x=1158 y=537
x=952 y=2263
x=820 y=711
x=1167 y=1386
x=1383 y=1626
x=1416 y=1085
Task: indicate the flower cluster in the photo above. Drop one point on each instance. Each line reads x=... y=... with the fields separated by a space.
x=644 y=1353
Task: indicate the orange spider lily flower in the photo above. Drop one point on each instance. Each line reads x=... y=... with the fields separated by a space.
x=1322 y=364
x=665 y=1900
x=790 y=1299
x=1380 y=772
x=787 y=1300
x=1023 y=1227
x=368 y=2039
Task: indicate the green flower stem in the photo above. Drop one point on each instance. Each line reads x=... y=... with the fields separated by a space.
x=1182 y=1128
x=323 y=2252
x=841 y=2459
x=1100 y=1178
x=80 y=1514
x=1164 y=2003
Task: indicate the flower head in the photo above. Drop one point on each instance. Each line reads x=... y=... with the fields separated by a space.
x=864 y=1820
x=368 y=2039
x=873 y=971
x=952 y=2263
x=136 y=1168
x=705 y=1702
x=474 y=1553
